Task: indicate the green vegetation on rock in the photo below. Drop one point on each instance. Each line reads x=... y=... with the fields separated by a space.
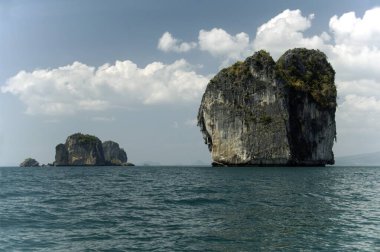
x=86 y=139
x=309 y=71
x=262 y=61
x=234 y=70
x=238 y=71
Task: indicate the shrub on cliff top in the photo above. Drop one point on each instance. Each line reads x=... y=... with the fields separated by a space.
x=239 y=70
x=309 y=71
x=85 y=139
x=262 y=61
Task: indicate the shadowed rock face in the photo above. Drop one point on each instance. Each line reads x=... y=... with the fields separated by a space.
x=61 y=155
x=261 y=112
x=80 y=149
x=113 y=154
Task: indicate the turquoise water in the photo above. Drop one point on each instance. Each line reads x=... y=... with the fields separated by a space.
x=189 y=209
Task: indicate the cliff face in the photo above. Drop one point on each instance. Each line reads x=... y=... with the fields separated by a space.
x=61 y=155
x=80 y=149
x=261 y=112
x=113 y=154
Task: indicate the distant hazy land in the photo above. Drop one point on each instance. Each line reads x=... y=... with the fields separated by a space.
x=366 y=159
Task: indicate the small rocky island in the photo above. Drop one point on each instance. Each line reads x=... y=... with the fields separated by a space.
x=113 y=154
x=30 y=162
x=262 y=112
x=87 y=150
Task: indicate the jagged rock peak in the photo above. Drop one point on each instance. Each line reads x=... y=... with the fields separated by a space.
x=261 y=112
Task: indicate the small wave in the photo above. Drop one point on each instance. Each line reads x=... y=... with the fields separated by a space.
x=196 y=201
x=202 y=190
x=54 y=201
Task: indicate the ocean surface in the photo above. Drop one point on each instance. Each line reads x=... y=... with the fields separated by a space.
x=189 y=209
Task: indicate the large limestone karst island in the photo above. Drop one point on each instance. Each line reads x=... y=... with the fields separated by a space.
x=262 y=112
x=87 y=150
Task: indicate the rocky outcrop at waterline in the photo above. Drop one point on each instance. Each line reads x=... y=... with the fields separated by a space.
x=262 y=112
x=87 y=150
x=80 y=149
x=113 y=154
x=30 y=162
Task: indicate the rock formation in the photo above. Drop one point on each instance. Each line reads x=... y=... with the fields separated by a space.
x=113 y=154
x=261 y=112
x=80 y=149
x=29 y=162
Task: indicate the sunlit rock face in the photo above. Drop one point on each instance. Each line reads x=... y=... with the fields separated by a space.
x=80 y=150
x=262 y=112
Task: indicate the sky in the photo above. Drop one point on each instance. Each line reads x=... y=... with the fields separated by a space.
x=134 y=71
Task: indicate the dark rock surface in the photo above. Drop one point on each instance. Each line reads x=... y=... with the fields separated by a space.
x=61 y=155
x=113 y=154
x=128 y=164
x=261 y=112
x=29 y=162
x=80 y=149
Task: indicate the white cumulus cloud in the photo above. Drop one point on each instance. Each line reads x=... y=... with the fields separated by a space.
x=355 y=55
x=221 y=44
x=285 y=31
x=352 y=30
x=79 y=87
x=168 y=43
x=356 y=49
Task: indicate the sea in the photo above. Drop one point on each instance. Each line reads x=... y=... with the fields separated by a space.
x=184 y=208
